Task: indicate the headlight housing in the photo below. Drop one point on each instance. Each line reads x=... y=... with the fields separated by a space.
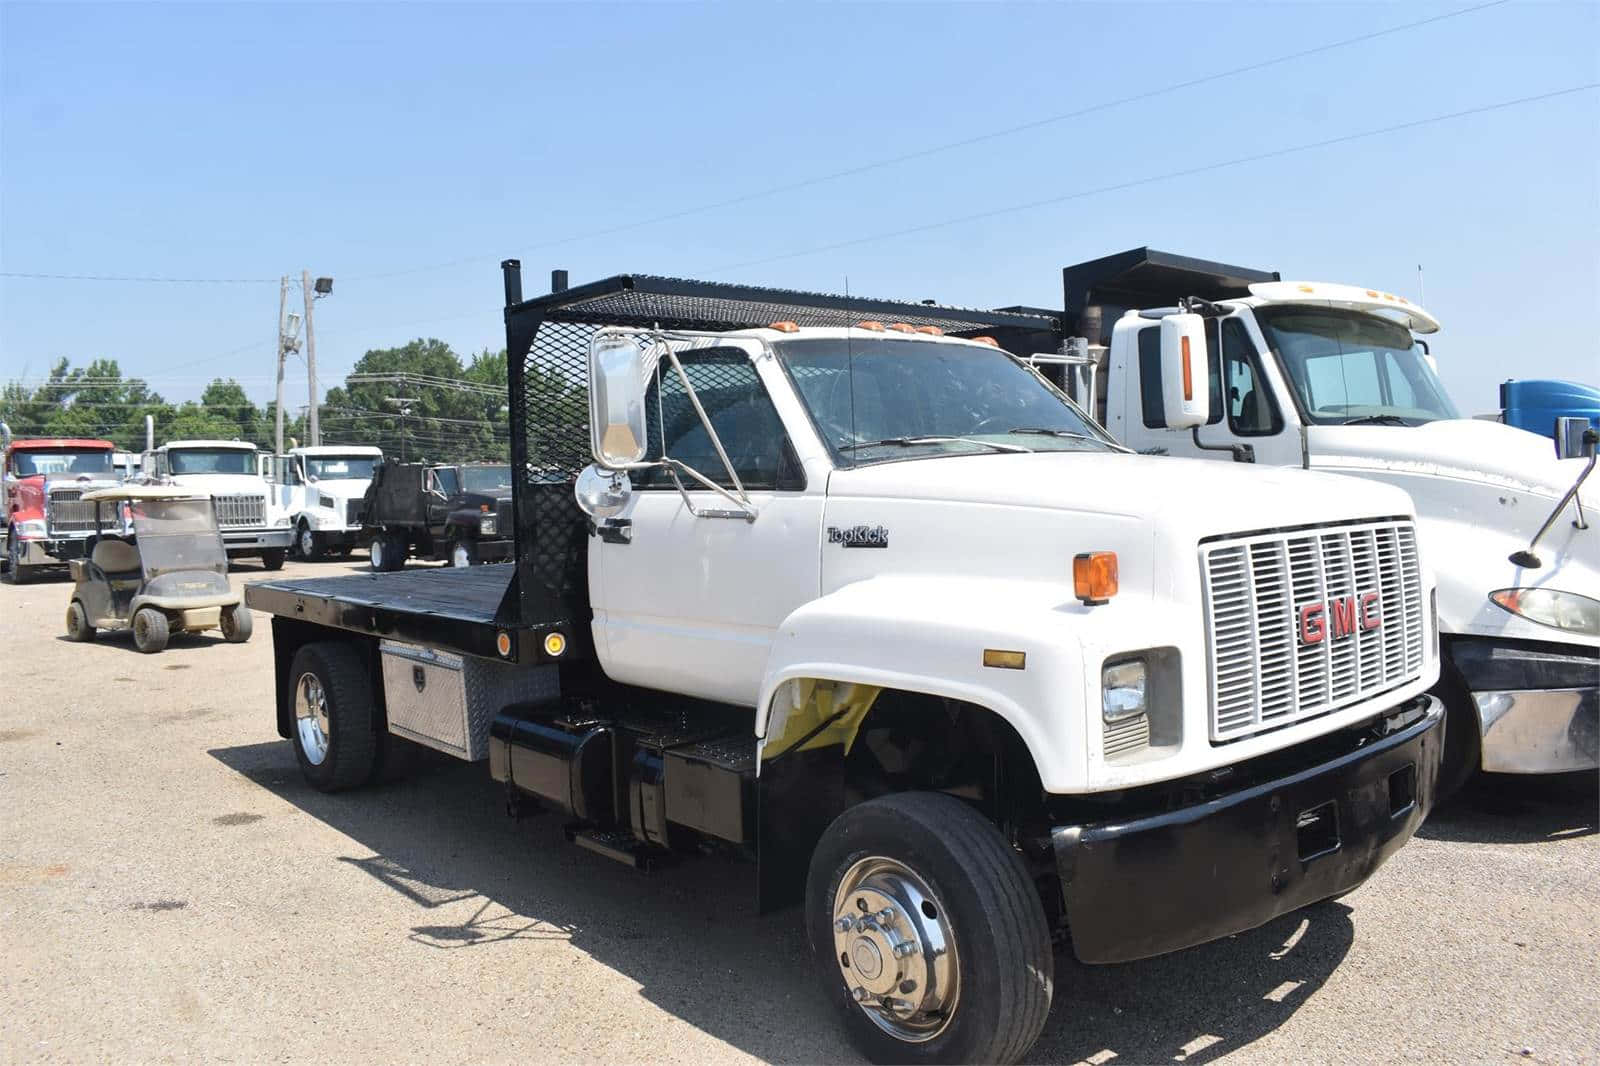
x=1566 y=611
x=30 y=529
x=1124 y=689
x=487 y=525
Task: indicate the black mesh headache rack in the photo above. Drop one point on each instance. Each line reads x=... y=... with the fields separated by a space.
x=547 y=350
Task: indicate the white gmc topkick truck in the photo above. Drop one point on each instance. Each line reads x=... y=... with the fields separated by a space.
x=845 y=586
x=1335 y=378
x=320 y=488
x=247 y=515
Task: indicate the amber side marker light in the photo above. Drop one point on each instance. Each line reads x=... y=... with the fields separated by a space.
x=1188 y=372
x=1005 y=660
x=502 y=644
x=1094 y=577
x=554 y=644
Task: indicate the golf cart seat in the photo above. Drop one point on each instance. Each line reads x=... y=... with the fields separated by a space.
x=114 y=555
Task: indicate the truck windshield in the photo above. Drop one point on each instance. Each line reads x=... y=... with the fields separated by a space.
x=884 y=399
x=488 y=480
x=213 y=461
x=336 y=467
x=60 y=461
x=1350 y=368
x=177 y=535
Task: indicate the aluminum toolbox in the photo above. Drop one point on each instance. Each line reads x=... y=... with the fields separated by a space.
x=447 y=701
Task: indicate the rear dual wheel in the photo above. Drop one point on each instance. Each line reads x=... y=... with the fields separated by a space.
x=928 y=933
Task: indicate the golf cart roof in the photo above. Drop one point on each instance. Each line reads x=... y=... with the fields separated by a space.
x=143 y=492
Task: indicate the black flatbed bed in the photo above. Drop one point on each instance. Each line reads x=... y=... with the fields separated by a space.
x=454 y=608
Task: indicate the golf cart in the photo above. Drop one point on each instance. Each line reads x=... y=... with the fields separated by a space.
x=155 y=565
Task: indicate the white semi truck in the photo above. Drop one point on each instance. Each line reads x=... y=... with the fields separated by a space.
x=876 y=606
x=1339 y=378
x=320 y=489
x=248 y=517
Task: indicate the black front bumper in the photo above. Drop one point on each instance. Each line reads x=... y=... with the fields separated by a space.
x=1171 y=880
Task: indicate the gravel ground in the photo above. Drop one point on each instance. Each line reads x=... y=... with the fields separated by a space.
x=169 y=888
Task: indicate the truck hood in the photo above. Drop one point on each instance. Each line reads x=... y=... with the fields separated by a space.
x=341 y=488
x=1465 y=449
x=1192 y=498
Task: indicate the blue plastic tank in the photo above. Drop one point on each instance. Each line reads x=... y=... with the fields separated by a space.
x=1535 y=405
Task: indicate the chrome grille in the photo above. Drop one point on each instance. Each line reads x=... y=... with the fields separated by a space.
x=1264 y=672
x=1130 y=734
x=240 y=511
x=67 y=513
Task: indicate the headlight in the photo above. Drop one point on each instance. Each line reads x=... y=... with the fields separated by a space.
x=30 y=528
x=1123 y=689
x=1553 y=608
x=486 y=525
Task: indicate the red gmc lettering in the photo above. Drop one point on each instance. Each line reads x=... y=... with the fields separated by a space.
x=1313 y=626
x=1344 y=616
x=1369 y=612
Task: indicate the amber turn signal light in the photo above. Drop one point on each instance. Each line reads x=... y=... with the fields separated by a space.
x=785 y=327
x=1094 y=577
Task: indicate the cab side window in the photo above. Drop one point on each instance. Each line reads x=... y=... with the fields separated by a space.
x=740 y=410
x=1252 y=412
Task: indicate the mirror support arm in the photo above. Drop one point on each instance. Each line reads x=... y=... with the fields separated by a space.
x=1242 y=453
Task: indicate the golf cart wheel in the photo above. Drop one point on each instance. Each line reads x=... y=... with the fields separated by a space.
x=78 y=627
x=16 y=571
x=335 y=722
x=272 y=558
x=387 y=552
x=150 y=630
x=236 y=624
x=305 y=542
x=928 y=933
x=463 y=553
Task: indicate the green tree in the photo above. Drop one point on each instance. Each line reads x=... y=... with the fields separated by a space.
x=449 y=416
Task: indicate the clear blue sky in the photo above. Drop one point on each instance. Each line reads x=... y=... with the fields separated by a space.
x=247 y=141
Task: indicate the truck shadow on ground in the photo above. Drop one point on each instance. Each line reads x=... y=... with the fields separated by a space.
x=1518 y=809
x=690 y=937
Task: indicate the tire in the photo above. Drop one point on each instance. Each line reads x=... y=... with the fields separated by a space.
x=78 y=627
x=387 y=552
x=463 y=553
x=336 y=748
x=17 y=573
x=978 y=895
x=272 y=558
x=1463 y=740
x=236 y=624
x=305 y=543
x=150 y=630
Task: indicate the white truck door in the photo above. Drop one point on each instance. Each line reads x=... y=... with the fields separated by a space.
x=691 y=604
x=1245 y=398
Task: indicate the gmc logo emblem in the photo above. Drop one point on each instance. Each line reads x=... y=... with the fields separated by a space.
x=1347 y=613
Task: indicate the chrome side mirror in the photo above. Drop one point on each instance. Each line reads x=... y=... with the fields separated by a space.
x=1185 y=371
x=618 y=379
x=1570 y=437
x=602 y=493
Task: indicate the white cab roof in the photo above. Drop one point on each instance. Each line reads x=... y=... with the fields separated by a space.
x=338 y=449
x=235 y=445
x=1352 y=297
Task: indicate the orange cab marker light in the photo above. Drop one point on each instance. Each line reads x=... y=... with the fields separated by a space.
x=999 y=659
x=1372 y=293
x=1094 y=577
x=1306 y=288
x=902 y=327
x=932 y=331
x=1188 y=373
x=876 y=327
x=785 y=326
x=990 y=341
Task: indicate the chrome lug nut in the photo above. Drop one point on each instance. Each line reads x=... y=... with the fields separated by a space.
x=844 y=925
x=858 y=994
x=904 y=948
x=886 y=916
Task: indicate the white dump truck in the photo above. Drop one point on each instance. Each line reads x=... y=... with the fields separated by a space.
x=248 y=517
x=1339 y=378
x=320 y=490
x=843 y=586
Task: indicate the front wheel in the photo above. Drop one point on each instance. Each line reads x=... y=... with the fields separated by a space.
x=15 y=569
x=236 y=625
x=78 y=627
x=150 y=630
x=305 y=541
x=272 y=558
x=387 y=553
x=335 y=722
x=928 y=933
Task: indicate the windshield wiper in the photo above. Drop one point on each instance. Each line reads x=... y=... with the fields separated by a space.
x=904 y=442
x=1068 y=434
x=1376 y=420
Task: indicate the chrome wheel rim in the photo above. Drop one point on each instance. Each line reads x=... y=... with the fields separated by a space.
x=459 y=556
x=311 y=717
x=307 y=542
x=896 y=949
x=376 y=554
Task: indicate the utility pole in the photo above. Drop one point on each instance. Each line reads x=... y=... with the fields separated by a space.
x=283 y=325
x=313 y=430
x=404 y=404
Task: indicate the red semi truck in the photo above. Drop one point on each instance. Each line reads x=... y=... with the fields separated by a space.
x=43 y=480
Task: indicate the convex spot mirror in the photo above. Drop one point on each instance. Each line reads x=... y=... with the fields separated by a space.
x=618 y=377
x=1185 y=371
x=602 y=493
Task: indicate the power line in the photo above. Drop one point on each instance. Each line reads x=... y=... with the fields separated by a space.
x=965 y=142
x=136 y=278
x=1154 y=178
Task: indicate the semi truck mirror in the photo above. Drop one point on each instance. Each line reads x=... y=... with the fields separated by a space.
x=1569 y=436
x=1185 y=371
x=602 y=493
x=617 y=382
